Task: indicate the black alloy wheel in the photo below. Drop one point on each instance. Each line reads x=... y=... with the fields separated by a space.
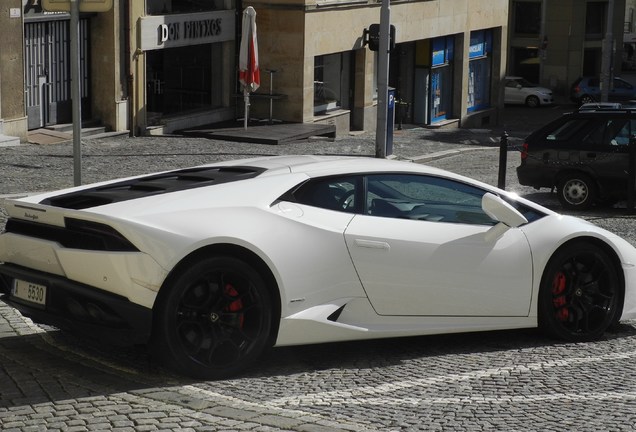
x=581 y=293
x=214 y=320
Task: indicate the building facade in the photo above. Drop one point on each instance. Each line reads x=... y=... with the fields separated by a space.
x=446 y=65
x=157 y=66
x=553 y=42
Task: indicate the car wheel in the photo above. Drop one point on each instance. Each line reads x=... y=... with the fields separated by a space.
x=577 y=191
x=587 y=99
x=580 y=294
x=214 y=318
x=532 y=101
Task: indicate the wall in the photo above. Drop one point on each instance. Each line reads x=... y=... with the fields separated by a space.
x=107 y=87
x=12 y=110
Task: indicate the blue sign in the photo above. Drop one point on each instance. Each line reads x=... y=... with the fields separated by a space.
x=439 y=51
x=477 y=44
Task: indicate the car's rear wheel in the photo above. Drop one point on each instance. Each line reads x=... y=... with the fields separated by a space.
x=580 y=294
x=214 y=318
x=532 y=101
x=577 y=191
x=587 y=99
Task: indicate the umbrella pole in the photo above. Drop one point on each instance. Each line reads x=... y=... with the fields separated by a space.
x=246 y=98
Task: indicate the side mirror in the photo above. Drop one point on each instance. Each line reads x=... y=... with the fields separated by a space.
x=501 y=211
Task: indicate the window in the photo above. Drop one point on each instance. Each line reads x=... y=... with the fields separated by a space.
x=479 y=68
x=613 y=132
x=162 y=7
x=595 y=19
x=567 y=130
x=401 y=196
x=333 y=193
x=527 y=18
x=420 y=197
x=331 y=82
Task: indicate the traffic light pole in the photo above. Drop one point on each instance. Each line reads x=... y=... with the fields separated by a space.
x=76 y=93
x=383 y=80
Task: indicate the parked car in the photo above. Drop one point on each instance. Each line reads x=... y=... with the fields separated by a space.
x=584 y=155
x=518 y=90
x=587 y=90
x=214 y=264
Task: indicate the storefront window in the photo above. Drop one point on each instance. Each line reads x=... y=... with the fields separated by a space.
x=479 y=68
x=441 y=78
x=331 y=82
x=166 y=7
x=183 y=79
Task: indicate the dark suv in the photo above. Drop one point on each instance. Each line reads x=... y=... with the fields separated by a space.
x=583 y=154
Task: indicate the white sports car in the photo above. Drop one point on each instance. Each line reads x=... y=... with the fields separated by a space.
x=214 y=264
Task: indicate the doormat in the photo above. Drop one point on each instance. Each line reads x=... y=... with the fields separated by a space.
x=47 y=136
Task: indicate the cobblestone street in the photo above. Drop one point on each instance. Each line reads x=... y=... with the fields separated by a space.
x=509 y=380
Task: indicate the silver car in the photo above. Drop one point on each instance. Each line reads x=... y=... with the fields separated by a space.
x=518 y=90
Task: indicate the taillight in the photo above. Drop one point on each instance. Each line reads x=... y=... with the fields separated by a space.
x=524 y=151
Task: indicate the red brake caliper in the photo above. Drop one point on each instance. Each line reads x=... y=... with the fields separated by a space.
x=559 y=301
x=236 y=305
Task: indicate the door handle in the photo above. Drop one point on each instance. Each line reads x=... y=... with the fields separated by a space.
x=372 y=244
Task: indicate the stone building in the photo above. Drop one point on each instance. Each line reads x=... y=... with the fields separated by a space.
x=553 y=42
x=157 y=66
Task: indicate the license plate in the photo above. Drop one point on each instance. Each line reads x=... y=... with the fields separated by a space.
x=29 y=291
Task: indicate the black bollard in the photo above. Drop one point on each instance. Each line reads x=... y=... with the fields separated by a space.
x=503 y=160
x=631 y=173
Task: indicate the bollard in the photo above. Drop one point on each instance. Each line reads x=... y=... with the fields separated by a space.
x=631 y=173
x=503 y=160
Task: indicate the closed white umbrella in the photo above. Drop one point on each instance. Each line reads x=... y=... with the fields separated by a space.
x=249 y=72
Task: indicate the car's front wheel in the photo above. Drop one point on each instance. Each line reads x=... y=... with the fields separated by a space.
x=577 y=191
x=214 y=318
x=580 y=294
x=532 y=101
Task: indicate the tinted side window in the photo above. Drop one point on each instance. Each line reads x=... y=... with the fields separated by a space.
x=567 y=130
x=333 y=193
x=420 y=197
x=610 y=133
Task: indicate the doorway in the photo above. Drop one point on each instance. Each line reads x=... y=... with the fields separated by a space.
x=48 y=72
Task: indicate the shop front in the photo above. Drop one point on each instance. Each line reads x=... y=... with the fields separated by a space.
x=188 y=68
x=424 y=79
x=479 y=70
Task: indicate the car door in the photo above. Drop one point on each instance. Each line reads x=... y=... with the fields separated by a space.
x=604 y=150
x=513 y=92
x=420 y=249
x=622 y=90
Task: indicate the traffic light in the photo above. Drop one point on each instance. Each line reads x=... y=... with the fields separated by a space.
x=372 y=37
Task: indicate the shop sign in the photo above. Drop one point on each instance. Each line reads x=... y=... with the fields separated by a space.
x=439 y=51
x=171 y=31
x=480 y=43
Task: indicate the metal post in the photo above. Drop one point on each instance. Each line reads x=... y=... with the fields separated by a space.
x=631 y=174
x=76 y=93
x=607 y=56
x=503 y=160
x=383 y=80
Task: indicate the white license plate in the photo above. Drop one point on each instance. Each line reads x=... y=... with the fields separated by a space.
x=29 y=291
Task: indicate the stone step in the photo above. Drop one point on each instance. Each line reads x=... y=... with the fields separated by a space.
x=9 y=141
